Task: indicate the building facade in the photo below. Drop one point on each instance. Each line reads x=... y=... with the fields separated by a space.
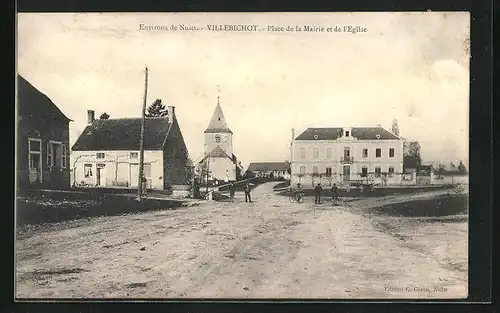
x=107 y=153
x=219 y=161
x=42 y=140
x=270 y=169
x=345 y=155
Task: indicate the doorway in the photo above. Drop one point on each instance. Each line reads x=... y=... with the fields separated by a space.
x=100 y=176
x=346 y=173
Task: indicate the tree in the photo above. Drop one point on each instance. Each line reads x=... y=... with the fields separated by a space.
x=157 y=109
x=411 y=154
x=299 y=176
x=104 y=116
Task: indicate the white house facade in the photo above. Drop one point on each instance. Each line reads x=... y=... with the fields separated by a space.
x=343 y=155
x=107 y=153
x=116 y=168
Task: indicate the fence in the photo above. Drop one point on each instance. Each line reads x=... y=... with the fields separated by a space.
x=378 y=179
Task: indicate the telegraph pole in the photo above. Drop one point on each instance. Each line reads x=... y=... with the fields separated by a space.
x=141 y=151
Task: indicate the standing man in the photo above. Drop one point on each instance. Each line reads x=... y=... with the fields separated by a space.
x=335 y=194
x=318 y=189
x=231 y=191
x=247 y=193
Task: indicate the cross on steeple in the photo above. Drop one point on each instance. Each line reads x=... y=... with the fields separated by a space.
x=218 y=92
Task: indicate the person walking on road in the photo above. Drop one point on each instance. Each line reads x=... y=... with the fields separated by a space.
x=317 y=190
x=231 y=191
x=248 y=198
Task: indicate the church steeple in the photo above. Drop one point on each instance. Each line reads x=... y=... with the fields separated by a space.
x=218 y=122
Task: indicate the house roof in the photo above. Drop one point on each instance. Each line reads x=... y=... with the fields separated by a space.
x=218 y=122
x=333 y=133
x=268 y=166
x=123 y=134
x=32 y=102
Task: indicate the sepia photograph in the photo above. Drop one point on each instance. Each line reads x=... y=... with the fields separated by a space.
x=242 y=155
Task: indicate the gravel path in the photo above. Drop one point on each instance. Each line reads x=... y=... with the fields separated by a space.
x=270 y=248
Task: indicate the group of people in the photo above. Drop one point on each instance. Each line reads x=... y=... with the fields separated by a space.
x=318 y=190
x=246 y=189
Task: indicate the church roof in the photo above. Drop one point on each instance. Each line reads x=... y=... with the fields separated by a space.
x=218 y=152
x=218 y=122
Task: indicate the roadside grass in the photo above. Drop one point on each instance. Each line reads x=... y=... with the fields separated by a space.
x=49 y=207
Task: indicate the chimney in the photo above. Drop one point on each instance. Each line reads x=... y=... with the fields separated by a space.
x=293 y=134
x=170 y=114
x=90 y=116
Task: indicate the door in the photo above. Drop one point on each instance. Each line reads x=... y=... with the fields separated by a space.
x=100 y=176
x=346 y=173
x=134 y=175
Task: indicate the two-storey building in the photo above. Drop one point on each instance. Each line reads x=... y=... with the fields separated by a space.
x=342 y=155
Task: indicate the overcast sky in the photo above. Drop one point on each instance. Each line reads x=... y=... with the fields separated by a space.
x=408 y=66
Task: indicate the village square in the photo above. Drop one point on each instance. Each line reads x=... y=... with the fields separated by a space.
x=212 y=200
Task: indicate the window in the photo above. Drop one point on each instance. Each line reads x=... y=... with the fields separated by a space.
x=64 y=156
x=35 y=153
x=34 y=145
x=100 y=155
x=315 y=169
x=391 y=171
x=302 y=170
x=87 y=170
x=378 y=153
x=302 y=153
x=329 y=152
x=347 y=133
x=328 y=171
x=49 y=154
x=365 y=153
x=391 y=152
x=364 y=171
x=316 y=153
x=377 y=171
x=134 y=155
x=347 y=152
x=217 y=138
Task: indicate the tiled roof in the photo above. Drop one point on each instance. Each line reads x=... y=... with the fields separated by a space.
x=268 y=166
x=333 y=133
x=32 y=102
x=218 y=122
x=123 y=134
x=218 y=152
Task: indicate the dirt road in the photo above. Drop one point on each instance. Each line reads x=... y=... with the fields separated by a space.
x=270 y=248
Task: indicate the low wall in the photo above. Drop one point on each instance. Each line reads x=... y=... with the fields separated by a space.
x=376 y=192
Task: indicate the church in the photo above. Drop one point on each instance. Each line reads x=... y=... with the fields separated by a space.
x=219 y=156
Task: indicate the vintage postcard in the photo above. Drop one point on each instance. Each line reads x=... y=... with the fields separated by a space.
x=242 y=155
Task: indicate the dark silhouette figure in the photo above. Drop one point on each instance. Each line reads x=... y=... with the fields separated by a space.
x=232 y=190
x=335 y=193
x=248 y=198
x=299 y=192
x=317 y=191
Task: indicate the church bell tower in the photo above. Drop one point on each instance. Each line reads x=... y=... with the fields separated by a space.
x=218 y=133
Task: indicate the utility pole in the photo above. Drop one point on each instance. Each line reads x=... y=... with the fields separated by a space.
x=208 y=168
x=141 y=151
